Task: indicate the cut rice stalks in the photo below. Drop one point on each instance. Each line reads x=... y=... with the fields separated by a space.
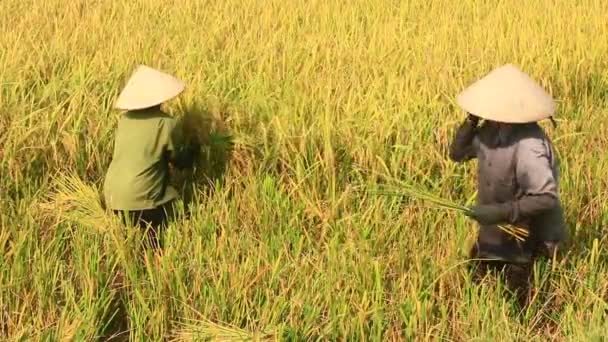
x=520 y=234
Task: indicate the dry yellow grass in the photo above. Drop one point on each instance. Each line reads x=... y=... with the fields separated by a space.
x=319 y=96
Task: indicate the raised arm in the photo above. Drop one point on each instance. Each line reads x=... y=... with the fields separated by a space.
x=462 y=149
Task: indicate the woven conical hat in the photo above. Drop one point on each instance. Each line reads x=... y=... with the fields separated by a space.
x=507 y=95
x=148 y=87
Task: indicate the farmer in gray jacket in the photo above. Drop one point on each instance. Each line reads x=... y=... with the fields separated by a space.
x=517 y=173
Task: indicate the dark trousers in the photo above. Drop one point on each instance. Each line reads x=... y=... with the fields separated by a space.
x=154 y=221
x=517 y=276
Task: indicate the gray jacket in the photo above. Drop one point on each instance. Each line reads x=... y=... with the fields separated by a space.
x=518 y=165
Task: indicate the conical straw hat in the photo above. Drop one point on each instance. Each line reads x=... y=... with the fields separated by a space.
x=507 y=95
x=148 y=87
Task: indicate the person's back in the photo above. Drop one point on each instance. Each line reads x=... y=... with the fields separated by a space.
x=138 y=175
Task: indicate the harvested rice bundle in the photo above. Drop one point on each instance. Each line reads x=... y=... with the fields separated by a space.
x=417 y=193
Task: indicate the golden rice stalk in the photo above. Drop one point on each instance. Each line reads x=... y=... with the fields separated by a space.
x=198 y=330
x=75 y=201
x=519 y=234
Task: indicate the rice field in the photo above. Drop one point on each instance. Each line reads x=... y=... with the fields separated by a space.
x=306 y=104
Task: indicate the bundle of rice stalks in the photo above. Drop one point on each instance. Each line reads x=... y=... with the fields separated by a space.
x=205 y=129
x=78 y=202
x=211 y=134
x=205 y=330
x=409 y=190
x=197 y=127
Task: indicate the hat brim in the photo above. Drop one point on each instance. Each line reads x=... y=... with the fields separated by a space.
x=507 y=95
x=148 y=88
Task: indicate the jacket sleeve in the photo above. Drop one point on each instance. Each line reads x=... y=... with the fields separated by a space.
x=181 y=154
x=462 y=148
x=536 y=178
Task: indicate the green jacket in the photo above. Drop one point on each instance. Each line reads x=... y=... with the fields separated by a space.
x=138 y=176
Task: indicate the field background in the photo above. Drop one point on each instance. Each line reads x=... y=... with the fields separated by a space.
x=321 y=98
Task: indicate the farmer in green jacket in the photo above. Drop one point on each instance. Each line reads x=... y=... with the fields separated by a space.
x=517 y=173
x=147 y=142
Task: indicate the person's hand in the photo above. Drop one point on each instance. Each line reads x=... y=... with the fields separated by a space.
x=487 y=214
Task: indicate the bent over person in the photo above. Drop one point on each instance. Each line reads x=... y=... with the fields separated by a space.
x=147 y=141
x=518 y=180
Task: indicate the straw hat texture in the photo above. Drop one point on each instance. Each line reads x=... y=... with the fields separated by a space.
x=148 y=87
x=507 y=95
